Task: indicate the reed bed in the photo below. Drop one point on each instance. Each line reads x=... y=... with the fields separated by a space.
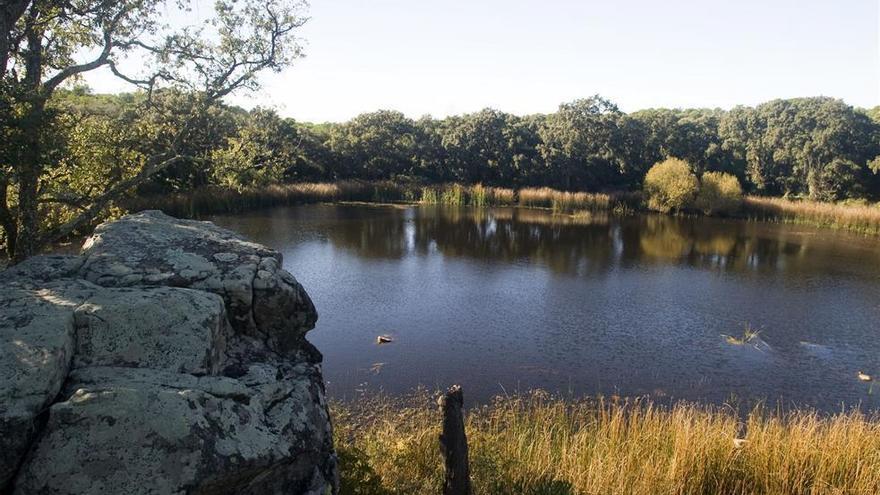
x=857 y=218
x=562 y=201
x=535 y=444
x=219 y=200
x=478 y=195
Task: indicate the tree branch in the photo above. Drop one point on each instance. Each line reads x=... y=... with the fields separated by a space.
x=100 y=60
x=90 y=212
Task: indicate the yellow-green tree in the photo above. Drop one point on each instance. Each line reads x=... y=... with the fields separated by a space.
x=670 y=186
x=719 y=193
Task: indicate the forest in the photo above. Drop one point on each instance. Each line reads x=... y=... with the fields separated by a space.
x=813 y=148
x=818 y=148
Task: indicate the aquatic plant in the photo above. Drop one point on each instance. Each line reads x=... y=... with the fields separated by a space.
x=749 y=336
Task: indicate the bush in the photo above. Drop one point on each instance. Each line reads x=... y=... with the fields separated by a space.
x=719 y=193
x=670 y=186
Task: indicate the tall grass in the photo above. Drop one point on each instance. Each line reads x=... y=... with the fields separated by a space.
x=534 y=444
x=214 y=200
x=219 y=200
x=564 y=202
x=857 y=218
x=478 y=195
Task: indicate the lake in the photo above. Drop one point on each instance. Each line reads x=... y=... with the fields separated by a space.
x=504 y=300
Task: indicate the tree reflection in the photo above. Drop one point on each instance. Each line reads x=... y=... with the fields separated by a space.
x=586 y=244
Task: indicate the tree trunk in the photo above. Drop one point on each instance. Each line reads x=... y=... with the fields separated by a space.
x=29 y=160
x=27 y=241
x=7 y=220
x=453 y=443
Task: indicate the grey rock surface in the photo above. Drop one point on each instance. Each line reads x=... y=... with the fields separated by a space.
x=169 y=358
x=161 y=327
x=151 y=248
x=37 y=340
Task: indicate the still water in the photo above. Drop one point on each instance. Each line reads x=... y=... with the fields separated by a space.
x=506 y=300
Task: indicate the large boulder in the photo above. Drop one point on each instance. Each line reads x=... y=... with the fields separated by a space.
x=151 y=248
x=164 y=328
x=168 y=358
x=37 y=341
x=134 y=431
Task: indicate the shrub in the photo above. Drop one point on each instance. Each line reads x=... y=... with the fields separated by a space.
x=670 y=186
x=719 y=193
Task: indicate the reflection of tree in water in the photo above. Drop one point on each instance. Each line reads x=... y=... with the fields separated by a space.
x=580 y=245
x=564 y=244
x=378 y=234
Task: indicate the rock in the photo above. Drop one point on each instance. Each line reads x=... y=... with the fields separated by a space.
x=37 y=341
x=182 y=434
x=38 y=269
x=169 y=358
x=151 y=248
x=162 y=328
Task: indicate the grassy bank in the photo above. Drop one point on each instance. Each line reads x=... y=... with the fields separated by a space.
x=864 y=219
x=217 y=200
x=537 y=445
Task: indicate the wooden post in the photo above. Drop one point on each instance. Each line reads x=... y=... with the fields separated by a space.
x=453 y=443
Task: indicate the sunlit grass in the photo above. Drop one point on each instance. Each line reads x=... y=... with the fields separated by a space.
x=564 y=202
x=478 y=195
x=541 y=445
x=863 y=218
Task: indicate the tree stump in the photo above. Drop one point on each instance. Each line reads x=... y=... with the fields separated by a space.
x=453 y=443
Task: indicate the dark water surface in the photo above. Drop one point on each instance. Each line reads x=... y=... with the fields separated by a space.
x=502 y=300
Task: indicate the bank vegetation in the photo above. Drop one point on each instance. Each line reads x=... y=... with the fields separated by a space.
x=535 y=444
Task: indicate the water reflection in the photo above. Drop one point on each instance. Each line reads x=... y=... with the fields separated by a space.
x=586 y=244
x=506 y=299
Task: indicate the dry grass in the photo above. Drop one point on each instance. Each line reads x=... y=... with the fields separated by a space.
x=213 y=200
x=539 y=445
x=564 y=202
x=857 y=218
x=218 y=200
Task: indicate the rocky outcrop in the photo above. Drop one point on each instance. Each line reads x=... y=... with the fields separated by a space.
x=168 y=358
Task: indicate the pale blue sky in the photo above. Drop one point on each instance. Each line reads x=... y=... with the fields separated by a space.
x=459 y=56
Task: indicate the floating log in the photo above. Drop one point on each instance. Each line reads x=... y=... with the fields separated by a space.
x=453 y=443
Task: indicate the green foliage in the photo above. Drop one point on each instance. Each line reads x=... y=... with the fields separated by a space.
x=49 y=149
x=841 y=179
x=453 y=195
x=258 y=154
x=670 y=186
x=785 y=146
x=358 y=476
x=719 y=193
x=582 y=144
x=809 y=147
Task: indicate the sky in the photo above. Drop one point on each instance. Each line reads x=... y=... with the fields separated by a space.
x=455 y=56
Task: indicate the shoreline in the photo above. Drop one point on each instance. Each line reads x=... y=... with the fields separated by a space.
x=860 y=219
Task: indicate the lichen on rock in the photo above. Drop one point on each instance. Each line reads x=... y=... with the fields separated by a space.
x=169 y=357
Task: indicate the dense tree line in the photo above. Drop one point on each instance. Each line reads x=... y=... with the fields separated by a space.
x=819 y=148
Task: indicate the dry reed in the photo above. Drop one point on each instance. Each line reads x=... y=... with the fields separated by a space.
x=540 y=445
x=857 y=218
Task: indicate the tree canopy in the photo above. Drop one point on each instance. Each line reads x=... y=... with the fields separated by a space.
x=42 y=48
